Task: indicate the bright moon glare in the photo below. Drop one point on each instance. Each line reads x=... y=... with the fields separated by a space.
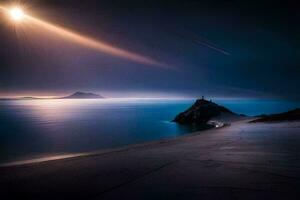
x=16 y=14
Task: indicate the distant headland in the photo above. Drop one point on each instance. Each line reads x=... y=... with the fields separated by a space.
x=83 y=95
x=75 y=95
x=292 y=115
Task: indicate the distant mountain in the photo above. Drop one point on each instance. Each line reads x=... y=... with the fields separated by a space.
x=28 y=98
x=201 y=112
x=83 y=95
x=19 y=98
x=292 y=115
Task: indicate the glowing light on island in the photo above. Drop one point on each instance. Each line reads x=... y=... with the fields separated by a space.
x=17 y=15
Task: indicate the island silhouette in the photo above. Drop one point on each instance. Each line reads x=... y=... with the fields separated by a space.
x=75 y=95
x=83 y=95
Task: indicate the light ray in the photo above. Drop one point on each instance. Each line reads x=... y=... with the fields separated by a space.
x=90 y=42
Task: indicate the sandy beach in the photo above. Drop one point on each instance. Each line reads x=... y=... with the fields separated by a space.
x=241 y=161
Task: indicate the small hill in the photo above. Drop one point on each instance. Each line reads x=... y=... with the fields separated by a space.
x=28 y=98
x=292 y=115
x=201 y=112
x=83 y=95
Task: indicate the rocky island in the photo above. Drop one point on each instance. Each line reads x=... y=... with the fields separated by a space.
x=201 y=112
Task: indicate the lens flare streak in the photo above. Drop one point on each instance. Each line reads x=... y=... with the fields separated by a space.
x=89 y=42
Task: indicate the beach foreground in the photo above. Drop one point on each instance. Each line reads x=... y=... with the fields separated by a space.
x=242 y=161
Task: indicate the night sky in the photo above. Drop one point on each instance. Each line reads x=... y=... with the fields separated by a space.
x=214 y=48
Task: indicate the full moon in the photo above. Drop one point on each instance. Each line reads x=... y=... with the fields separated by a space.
x=16 y=14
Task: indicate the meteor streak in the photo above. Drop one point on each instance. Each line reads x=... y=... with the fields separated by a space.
x=200 y=41
x=211 y=46
x=17 y=14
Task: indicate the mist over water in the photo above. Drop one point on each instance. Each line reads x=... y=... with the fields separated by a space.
x=35 y=128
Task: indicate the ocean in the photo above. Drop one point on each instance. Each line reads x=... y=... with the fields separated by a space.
x=37 y=128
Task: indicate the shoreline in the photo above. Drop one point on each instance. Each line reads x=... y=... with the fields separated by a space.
x=63 y=156
x=260 y=160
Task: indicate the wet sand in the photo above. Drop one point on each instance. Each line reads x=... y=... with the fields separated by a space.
x=241 y=161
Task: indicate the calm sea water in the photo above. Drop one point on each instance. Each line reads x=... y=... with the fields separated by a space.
x=35 y=128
